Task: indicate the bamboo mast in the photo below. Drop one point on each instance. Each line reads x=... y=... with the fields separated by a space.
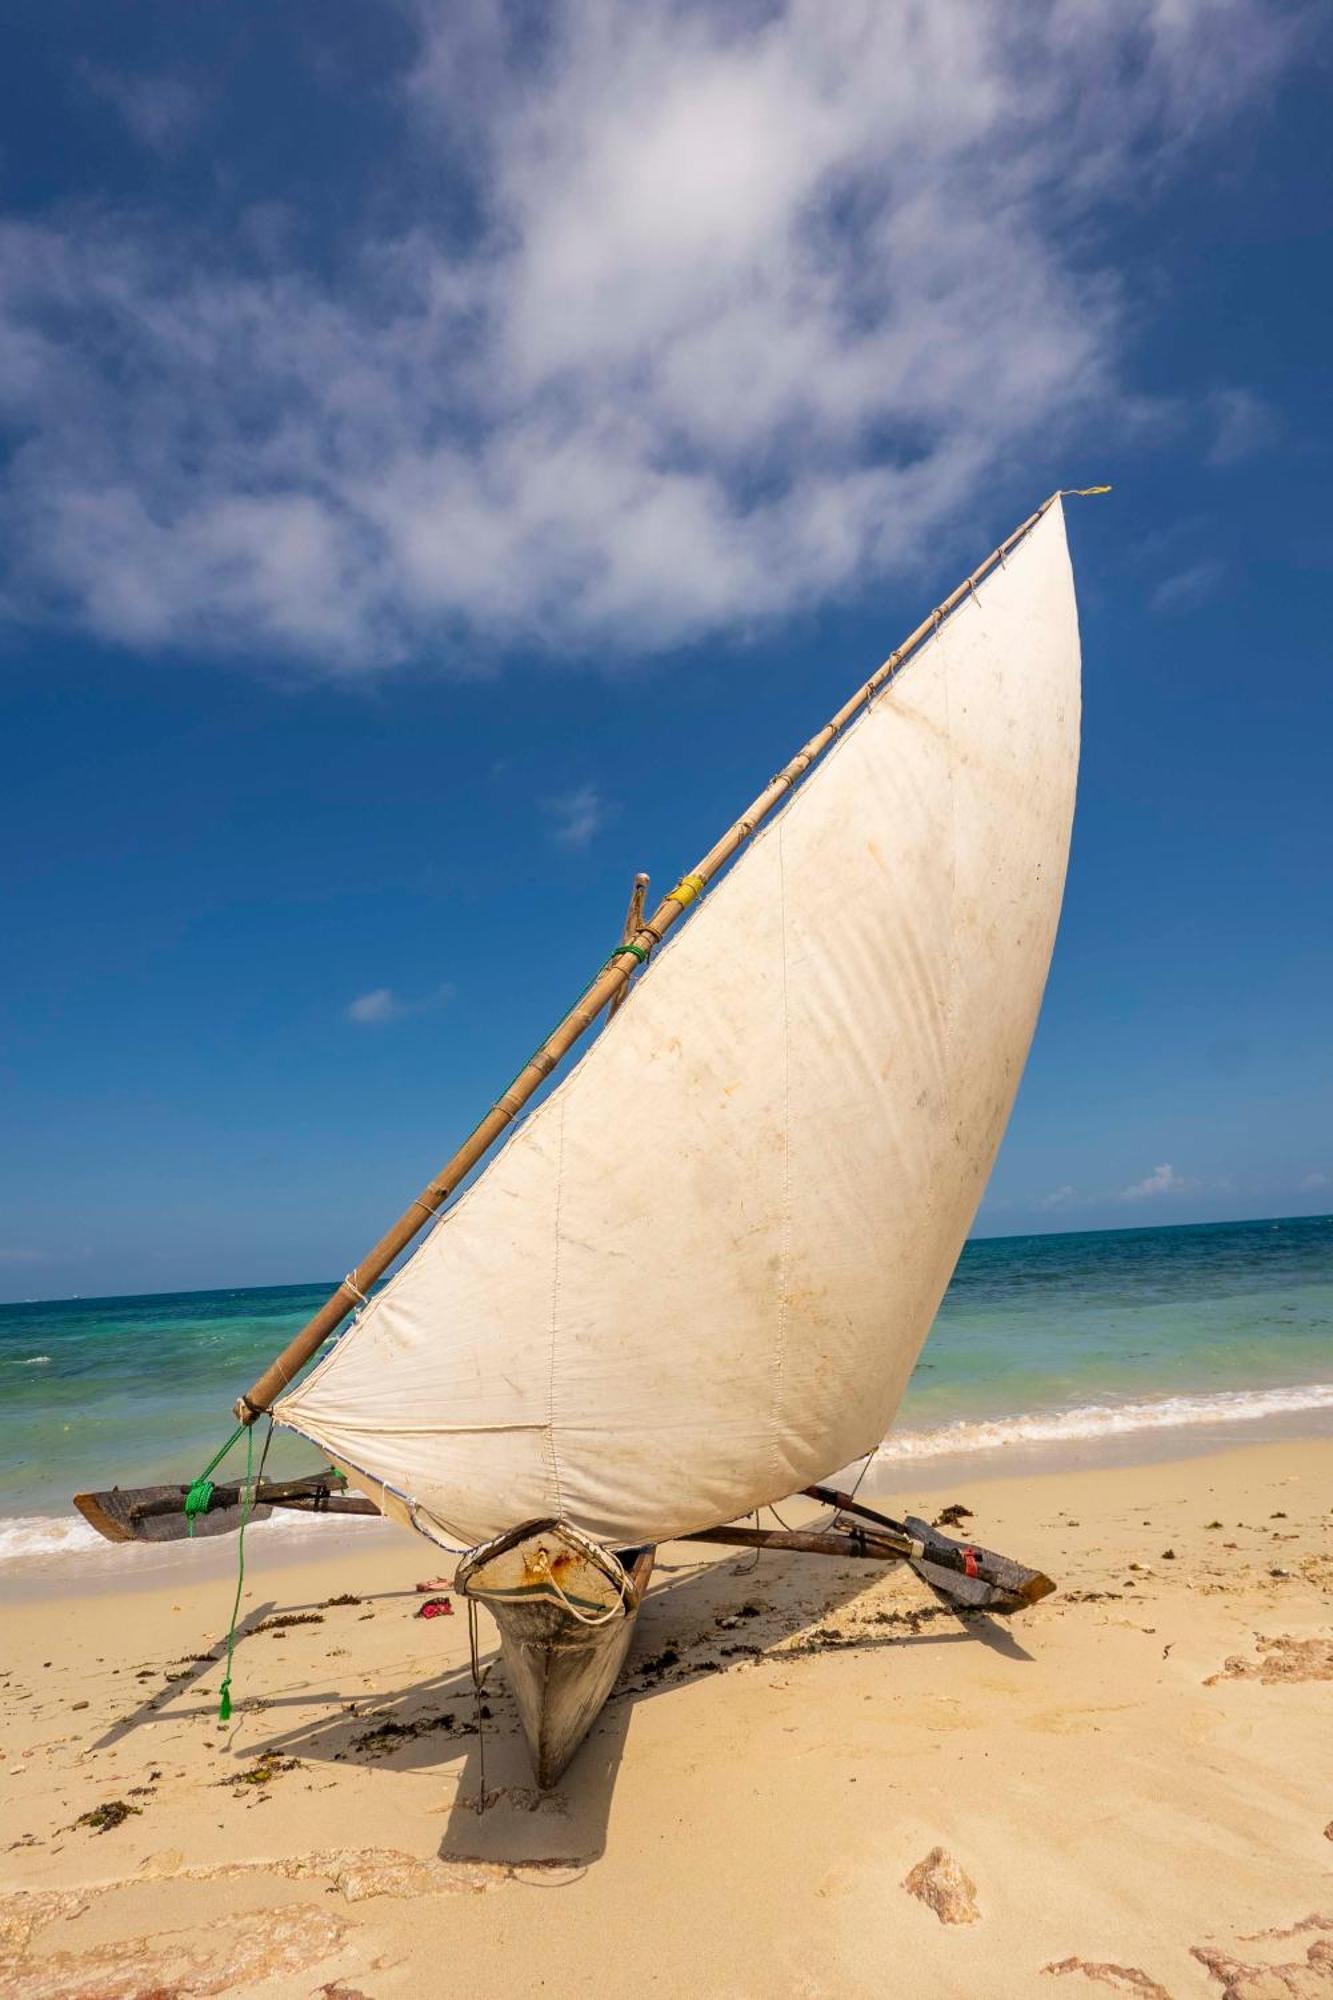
x=609 y=983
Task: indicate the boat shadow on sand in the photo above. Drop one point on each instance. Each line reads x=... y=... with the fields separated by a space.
x=697 y=1620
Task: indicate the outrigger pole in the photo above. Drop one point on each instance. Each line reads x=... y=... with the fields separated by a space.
x=608 y=986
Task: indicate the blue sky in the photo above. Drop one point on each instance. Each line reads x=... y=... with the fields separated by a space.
x=448 y=467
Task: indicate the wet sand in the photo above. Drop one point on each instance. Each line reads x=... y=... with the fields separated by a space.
x=1126 y=1788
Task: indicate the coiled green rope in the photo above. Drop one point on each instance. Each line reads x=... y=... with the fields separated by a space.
x=200 y=1496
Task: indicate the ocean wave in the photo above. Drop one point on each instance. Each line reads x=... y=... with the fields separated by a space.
x=45 y=1535
x=1104 y=1420
x=29 y=1360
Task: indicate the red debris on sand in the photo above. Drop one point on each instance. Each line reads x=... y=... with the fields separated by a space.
x=436 y=1607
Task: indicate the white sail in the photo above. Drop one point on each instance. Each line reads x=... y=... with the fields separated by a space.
x=698 y=1276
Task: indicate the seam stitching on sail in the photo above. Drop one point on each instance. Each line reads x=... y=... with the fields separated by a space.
x=784 y=1276
x=552 y=1451
x=951 y=994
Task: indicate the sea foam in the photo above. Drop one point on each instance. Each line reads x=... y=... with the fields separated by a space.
x=25 y=1535
x=1105 y=1420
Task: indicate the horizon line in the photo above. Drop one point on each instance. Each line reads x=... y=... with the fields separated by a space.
x=1013 y=1236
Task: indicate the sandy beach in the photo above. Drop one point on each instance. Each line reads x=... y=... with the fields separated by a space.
x=1129 y=1784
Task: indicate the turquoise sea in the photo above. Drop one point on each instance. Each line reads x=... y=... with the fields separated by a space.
x=1040 y=1340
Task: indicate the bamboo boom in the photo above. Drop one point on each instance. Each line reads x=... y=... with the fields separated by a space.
x=608 y=984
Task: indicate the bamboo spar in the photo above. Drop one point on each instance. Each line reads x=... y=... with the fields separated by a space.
x=606 y=987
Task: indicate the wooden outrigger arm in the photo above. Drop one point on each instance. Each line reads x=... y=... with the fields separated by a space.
x=958 y=1571
x=605 y=988
x=935 y=1556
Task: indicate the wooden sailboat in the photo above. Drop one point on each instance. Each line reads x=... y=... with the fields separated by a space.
x=566 y=1610
x=696 y=1277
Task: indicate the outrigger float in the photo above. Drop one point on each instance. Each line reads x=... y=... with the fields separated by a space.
x=695 y=1278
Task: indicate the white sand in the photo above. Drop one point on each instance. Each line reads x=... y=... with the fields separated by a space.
x=742 y=1821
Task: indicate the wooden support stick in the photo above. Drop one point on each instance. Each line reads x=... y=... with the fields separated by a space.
x=609 y=982
x=872 y=1546
x=633 y=925
x=999 y=1573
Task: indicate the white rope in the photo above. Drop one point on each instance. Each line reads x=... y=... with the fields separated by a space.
x=477 y=1680
x=349 y=1284
x=541 y=1562
x=414 y=1509
x=835 y=1513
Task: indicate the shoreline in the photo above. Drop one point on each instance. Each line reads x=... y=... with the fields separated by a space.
x=86 y=1564
x=1125 y=1772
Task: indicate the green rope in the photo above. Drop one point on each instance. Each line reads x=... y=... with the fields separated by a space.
x=224 y=1705
x=639 y=951
x=200 y=1496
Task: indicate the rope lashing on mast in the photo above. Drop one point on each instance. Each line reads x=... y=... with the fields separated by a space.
x=685 y=891
x=638 y=951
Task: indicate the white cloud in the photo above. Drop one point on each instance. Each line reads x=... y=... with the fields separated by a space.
x=1188 y=588
x=1163 y=1180
x=1244 y=425
x=382 y=1004
x=161 y=112
x=1061 y=1197
x=576 y=816
x=757 y=301
x=373 y=1008
x=1315 y=1183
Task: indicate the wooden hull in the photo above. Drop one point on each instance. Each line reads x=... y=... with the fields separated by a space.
x=157 y=1514
x=566 y=1611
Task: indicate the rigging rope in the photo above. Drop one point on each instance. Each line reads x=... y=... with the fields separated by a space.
x=477 y=1680
x=224 y=1701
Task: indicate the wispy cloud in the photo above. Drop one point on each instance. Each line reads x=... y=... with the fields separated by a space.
x=17 y=1256
x=1163 y=1180
x=161 y=112
x=381 y=1004
x=756 y=300
x=1188 y=588
x=369 y=1010
x=1061 y=1197
x=1243 y=426
x=576 y=816
x=1315 y=1183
